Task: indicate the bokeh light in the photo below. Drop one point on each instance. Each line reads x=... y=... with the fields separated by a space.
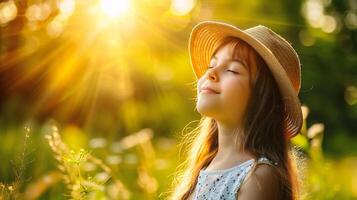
x=182 y=7
x=8 y=12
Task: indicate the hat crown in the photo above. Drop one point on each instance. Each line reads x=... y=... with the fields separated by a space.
x=282 y=50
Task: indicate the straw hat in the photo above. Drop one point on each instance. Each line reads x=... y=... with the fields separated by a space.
x=279 y=55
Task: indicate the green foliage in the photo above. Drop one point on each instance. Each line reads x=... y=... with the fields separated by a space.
x=322 y=178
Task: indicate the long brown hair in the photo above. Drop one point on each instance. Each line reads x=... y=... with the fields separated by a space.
x=263 y=133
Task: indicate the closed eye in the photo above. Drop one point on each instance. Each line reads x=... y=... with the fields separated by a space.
x=233 y=71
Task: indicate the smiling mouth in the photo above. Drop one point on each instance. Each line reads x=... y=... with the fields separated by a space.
x=208 y=91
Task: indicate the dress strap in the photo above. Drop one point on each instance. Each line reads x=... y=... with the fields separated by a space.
x=265 y=160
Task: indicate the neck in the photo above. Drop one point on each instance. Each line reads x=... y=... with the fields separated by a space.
x=230 y=143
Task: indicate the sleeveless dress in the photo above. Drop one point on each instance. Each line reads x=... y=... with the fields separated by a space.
x=224 y=184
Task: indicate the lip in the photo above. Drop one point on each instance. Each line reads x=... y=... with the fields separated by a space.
x=208 y=90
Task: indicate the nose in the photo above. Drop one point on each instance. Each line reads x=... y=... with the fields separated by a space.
x=212 y=74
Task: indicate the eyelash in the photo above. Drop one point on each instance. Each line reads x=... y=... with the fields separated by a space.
x=234 y=72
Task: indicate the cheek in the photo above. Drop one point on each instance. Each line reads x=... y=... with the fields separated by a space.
x=236 y=92
x=199 y=83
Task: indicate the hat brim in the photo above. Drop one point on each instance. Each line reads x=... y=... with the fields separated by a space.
x=205 y=38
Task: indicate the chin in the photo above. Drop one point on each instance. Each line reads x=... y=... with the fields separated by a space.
x=208 y=111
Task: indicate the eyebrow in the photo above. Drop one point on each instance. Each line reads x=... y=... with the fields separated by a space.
x=234 y=60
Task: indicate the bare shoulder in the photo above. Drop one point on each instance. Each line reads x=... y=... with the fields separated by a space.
x=262 y=184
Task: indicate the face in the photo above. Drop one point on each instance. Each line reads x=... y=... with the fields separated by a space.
x=223 y=92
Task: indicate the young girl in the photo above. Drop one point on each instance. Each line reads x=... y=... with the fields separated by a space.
x=247 y=94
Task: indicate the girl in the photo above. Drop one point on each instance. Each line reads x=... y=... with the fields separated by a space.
x=247 y=93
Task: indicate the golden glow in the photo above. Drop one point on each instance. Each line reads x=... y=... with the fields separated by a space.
x=116 y=8
x=89 y=56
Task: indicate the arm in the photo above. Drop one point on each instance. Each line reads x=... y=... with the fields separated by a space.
x=262 y=184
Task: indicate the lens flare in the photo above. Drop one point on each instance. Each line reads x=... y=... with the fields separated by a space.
x=115 y=8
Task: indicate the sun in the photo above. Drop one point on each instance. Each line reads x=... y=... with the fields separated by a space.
x=116 y=8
